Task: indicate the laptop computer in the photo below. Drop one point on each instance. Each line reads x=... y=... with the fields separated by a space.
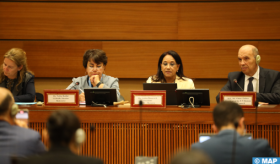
x=206 y=136
x=170 y=90
x=100 y=96
x=200 y=97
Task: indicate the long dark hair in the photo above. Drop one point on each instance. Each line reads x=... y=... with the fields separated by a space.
x=159 y=77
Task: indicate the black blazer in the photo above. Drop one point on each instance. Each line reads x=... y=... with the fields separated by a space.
x=219 y=148
x=25 y=92
x=60 y=155
x=269 y=85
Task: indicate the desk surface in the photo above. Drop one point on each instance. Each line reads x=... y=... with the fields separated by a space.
x=267 y=114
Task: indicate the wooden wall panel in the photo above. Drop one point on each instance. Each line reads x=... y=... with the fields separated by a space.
x=88 y=21
x=134 y=59
x=140 y=21
x=218 y=21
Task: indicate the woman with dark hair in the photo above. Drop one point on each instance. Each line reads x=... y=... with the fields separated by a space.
x=16 y=77
x=95 y=61
x=170 y=70
x=65 y=136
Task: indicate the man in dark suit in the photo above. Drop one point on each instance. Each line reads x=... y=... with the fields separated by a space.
x=229 y=146
x=65 y=136
x=15 y=141
x=252 y=77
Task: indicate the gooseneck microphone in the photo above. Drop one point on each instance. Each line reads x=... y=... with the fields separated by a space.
x=143 y=159
x=256 y=119
x=235 y=81
x=76 y=84
x=141 y=133
x=234 y=143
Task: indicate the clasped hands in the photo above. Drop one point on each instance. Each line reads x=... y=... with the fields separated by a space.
x=94 y=79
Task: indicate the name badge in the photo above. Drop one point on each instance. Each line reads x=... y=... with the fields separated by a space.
x=244 y=99
x=151 y=98
x=61 y=98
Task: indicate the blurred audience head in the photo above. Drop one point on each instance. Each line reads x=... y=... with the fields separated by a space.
x=62 y=126
x=228 y=114
x=6 y=102
x=191 y=157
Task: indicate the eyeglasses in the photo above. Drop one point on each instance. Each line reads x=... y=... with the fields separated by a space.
x=170 y=64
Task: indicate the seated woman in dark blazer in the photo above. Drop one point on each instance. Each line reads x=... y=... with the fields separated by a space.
x=15 y=76
x=170 y=70
x=95 y=62
x=65 y=136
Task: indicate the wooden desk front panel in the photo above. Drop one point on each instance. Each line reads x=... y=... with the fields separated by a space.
x=116 y=139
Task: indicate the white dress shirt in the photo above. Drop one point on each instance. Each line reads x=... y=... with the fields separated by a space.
x=255 y=81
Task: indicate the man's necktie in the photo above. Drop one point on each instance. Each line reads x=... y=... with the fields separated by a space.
x=250 y=85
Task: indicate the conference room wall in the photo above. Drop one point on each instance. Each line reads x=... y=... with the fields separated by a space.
x=126 y=85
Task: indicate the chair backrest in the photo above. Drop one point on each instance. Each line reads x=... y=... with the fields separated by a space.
x=39 y=97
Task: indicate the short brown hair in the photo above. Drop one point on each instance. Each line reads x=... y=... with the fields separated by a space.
x=227 y=112
x=96 y=55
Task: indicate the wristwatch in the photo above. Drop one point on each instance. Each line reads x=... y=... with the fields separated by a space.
x=98 y=84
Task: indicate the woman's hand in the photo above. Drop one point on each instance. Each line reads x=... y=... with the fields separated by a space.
x=82 y=97
x=94 y=79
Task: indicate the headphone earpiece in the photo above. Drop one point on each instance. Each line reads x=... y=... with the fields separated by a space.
x=14 y=110
x=80 y=136
x=235 y=125
x=258 y=59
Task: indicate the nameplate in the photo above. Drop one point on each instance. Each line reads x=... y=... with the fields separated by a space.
x=150 y=98
x=244 y=99
x=61 y=98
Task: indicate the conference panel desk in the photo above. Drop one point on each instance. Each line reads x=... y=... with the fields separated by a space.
x=117 y=135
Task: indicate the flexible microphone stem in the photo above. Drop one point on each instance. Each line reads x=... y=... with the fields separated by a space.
x=141 y=132
x=256 y=118
x=233 y=148
x=235 y=81
x=77 y=83
x=234 y=143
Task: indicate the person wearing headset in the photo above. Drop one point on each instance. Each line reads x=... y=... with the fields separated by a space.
x=65 y=136
x=252 y=77
x=170 y=70
x=15 y=141
x=229 y=125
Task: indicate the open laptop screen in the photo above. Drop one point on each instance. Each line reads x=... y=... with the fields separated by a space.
x=170 y=90
x=206 y=136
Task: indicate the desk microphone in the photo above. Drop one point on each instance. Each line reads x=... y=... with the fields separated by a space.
x=234 y=143
x=76 y=84
x=256 y=119
x=235 y=81
x=142 y=159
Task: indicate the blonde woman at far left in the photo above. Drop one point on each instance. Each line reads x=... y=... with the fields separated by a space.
x=15 y=76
